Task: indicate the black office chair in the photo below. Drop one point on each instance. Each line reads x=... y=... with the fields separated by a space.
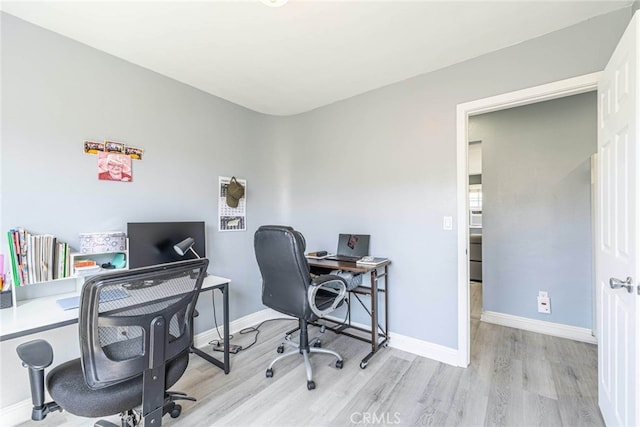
x=135 y=330
x=287 y=286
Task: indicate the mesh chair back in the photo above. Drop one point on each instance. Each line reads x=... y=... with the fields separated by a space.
x=137 y=319
x=284 y=269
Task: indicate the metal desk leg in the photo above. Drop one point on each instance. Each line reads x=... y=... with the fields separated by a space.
x=375 y=344
x=386 y=305
x=225 y=304
x=374 y=318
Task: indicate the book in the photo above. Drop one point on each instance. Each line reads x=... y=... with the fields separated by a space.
x=84 y=263
x=368 y=260
x=15 y=234
x=23 y=256
x=12 y=255
x=32 y=258
x=36 y=258
x=61 y=260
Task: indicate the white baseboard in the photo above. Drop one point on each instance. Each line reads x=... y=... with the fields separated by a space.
x=426 y=349
x=540 y=326
x=17 y=413
x=418 y=347
x=401 y=342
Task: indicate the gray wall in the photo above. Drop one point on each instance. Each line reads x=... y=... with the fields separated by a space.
x=56 y=93
x=382 y=163
x=536 y=184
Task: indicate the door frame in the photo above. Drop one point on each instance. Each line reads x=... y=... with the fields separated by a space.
x=532 y=95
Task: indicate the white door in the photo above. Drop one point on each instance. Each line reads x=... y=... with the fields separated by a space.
x=617 y=235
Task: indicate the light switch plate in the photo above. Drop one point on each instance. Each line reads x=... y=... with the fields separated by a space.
x=447 y=223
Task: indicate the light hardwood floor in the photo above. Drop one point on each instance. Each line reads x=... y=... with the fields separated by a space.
x=516 y=378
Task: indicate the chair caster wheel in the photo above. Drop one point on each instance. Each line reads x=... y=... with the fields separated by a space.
x=311 y=385
x=269 y=373
x=363 y=365
x=317 y=344
x=339 y=364
x=176 y=411
x=280 y=349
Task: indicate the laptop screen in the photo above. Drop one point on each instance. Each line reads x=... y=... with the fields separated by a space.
x=353 y=245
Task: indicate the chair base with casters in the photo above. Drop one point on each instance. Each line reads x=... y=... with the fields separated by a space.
x=304 y=347
x=132 y=348
x=288 y=287
x=37 y=355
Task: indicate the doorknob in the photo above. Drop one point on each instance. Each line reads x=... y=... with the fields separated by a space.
x=617 y=284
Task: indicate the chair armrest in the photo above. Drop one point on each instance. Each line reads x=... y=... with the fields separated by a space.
x=36 y=354
x=330 y=283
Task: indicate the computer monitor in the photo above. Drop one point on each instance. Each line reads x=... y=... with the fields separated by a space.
x=151 y=243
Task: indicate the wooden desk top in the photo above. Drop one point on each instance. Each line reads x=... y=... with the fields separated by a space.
x=343 y=265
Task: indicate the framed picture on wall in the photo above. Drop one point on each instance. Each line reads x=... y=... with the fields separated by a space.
x=232 y=208
x=114 y=167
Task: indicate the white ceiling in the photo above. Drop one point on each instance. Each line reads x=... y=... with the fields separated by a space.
x=308 y=53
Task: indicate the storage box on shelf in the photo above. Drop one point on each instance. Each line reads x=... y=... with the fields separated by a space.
x=87 y=264
x=103 y=242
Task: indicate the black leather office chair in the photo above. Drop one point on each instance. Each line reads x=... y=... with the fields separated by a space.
x=287 y=287
x=135 y=331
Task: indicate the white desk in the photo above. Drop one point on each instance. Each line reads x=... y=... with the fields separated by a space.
x=35 y=315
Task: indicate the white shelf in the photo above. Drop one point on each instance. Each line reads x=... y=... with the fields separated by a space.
x=99 y=258
x=44 y=289
x=65 y=285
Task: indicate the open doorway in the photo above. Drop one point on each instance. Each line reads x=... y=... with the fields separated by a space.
x=533 y=95
x=536 y=234
x=475 y=230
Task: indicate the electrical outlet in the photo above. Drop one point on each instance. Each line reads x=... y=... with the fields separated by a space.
x=544 y=303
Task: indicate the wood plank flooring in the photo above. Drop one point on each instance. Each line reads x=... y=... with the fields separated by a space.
x=516 y=378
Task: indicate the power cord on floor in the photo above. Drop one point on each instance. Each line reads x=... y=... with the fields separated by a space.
x=256 y=329
x=220 y=342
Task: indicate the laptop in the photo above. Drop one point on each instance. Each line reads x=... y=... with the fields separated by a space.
x=351 y=247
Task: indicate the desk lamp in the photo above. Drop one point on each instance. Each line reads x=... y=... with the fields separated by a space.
x=184 y=246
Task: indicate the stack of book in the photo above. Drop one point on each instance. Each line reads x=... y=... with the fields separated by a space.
x=37 y=258
x=371 y=260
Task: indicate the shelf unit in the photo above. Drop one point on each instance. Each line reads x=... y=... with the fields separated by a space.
x=44 y=289
x=69 y=284
x=99 y=258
